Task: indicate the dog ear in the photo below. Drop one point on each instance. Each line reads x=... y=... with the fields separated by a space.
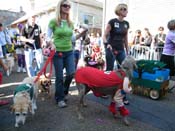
x=41 y=82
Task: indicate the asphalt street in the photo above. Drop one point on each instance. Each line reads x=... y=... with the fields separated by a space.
x=146 y=114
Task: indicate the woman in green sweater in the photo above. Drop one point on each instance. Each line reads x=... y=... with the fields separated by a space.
x=61 y=30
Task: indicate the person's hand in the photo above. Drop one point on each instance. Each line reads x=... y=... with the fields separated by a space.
x=51 y=45
x=85 y=27
x=109 y=46
x=31 y=41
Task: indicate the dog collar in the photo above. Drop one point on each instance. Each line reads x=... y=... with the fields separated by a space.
x=121 y=73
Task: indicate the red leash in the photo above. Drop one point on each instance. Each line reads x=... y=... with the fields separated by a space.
x=43 y=70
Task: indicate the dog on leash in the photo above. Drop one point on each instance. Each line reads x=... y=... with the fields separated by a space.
x=45 y=86
x=24 y=100
x=115 y=83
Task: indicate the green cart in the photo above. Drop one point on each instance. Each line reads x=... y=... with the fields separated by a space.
x=151 y=79
x=153 y=89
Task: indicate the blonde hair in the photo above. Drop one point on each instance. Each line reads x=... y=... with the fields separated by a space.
x=171 y=25
x=119 y=7
x=58 y=14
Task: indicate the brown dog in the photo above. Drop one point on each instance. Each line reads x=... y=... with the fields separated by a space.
x=45 y=85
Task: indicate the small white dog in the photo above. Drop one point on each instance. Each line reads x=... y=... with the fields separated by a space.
x=9 y=61
x=24 y=100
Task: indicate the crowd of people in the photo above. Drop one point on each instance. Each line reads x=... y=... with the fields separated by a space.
x=69 y=44
x=145 y=38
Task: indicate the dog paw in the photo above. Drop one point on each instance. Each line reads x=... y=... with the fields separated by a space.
x=23 y=122
x=34 y=106
x=33 y=112
x=126 y=122
x=84 y=105
x=16 y=125
x=80 y=117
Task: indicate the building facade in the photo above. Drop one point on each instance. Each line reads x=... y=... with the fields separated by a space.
x=87 y=11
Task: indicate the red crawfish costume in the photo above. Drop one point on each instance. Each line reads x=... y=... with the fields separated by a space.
x=101 y=82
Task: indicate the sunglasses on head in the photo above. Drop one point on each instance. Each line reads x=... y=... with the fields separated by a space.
x=123 y=9
x=66 y=6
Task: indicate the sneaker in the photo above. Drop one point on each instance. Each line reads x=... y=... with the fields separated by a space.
x=62 y=104
x=105 y=96
x=66 y=98
x=19 y=69
x=126 y=102
x=24 y=70
x=8 y=72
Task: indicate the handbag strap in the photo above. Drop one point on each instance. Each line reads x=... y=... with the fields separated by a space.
x=5 y=35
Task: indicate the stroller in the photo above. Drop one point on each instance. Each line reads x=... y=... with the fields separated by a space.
x=95 y=59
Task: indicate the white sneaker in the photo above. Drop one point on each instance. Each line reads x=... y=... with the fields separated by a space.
x=24 y=70
x=19 y=69
x=62 y=104
x=8 y=72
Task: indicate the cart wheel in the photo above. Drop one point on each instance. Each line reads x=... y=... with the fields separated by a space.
x=154 y=94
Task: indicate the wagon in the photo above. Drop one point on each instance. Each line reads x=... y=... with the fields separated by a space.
x=150 y=79
x=153 y=89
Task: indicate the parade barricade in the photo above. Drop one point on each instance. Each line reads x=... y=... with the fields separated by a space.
x=156 y=52
x=140 y=52
x=147 y=53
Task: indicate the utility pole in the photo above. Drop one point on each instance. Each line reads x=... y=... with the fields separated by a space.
x=32 y=3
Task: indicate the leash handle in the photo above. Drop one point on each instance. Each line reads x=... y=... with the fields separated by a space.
x=43 y=70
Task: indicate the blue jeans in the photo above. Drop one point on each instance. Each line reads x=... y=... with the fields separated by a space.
x=63 y=60
x=77 y=57
x=4 y=50
x=111 y=57
x=21 y=60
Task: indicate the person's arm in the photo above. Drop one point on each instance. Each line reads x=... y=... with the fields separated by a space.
x=24 y=39
x=173 y=40
x=162 y=39
x=40 y=36
x=81 y=34
x=126 y=43
x=7 y=37
x=49 y=39
x=105 y=36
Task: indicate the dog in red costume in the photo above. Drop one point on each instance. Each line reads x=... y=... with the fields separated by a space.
x=115 y=83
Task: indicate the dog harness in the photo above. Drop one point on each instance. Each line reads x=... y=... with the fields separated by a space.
x=25 y=87
x=99 y=78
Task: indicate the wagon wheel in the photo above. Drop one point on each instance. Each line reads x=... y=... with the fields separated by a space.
x=154 y=94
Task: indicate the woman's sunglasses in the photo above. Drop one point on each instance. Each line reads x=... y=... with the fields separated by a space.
x=66 y=6
x=123 y=9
